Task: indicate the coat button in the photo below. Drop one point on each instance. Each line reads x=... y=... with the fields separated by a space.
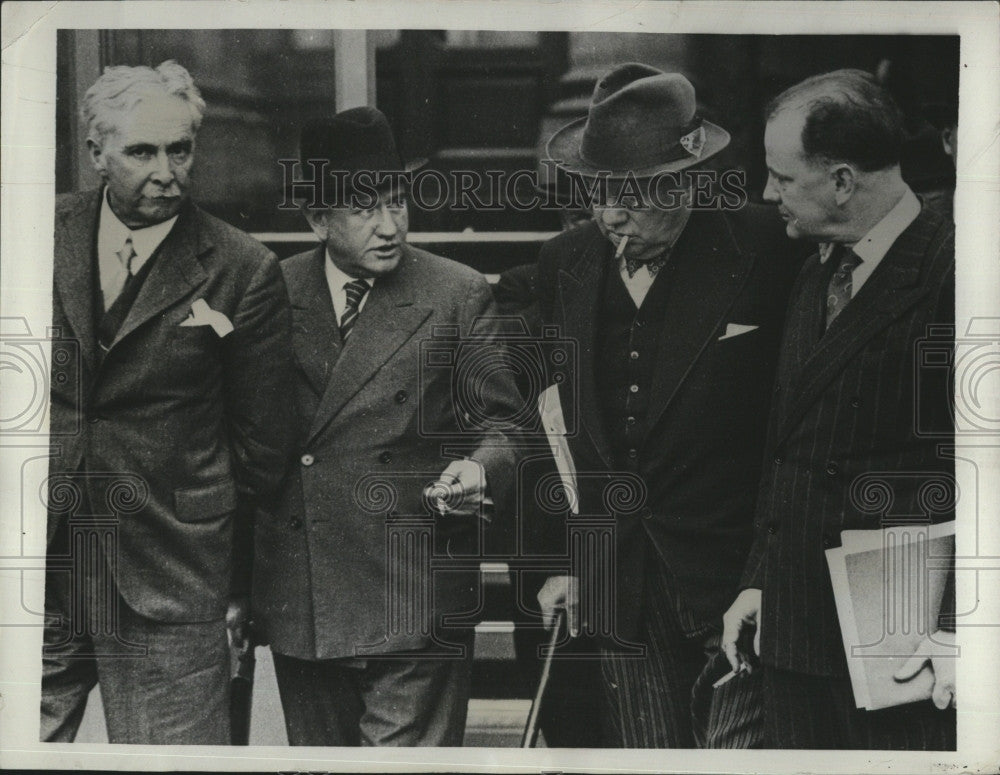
x=633 y=454
x=93 y=419
x=647 y=512
x=385 y=457
x=778 y=459
x=772 y=529
x=832 y=469
x=307 y=459
x=401 y=397
x=633 y=388
x=827 y=541
x=630 y=420
x=634 y=355
x=295 y=523
x=855 y=402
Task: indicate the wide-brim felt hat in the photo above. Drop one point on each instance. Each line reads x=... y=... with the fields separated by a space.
x=353 y=141
x=641 y=122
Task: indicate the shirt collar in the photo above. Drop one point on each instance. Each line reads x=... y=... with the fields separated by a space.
x=873 y=246
x=145 y=241
x=337 y=278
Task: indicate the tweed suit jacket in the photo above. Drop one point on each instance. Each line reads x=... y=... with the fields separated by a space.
x=845 y=450
x=379 y=419
x=699 y=461
x=174 y=430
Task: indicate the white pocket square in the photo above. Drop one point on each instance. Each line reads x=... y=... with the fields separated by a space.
x=203 y=315
x=735 y=329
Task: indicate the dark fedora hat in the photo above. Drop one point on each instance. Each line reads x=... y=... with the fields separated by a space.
x=353 y=141
x=641 y=122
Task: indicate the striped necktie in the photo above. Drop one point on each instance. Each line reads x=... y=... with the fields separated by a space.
x=355 y=290
x=839 y=290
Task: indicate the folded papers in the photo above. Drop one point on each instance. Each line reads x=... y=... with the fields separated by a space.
x=888 y=585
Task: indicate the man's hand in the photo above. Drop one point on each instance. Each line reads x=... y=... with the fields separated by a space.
x=460 y=489
x=745 y=610
x=561 y=592
x=237 y=619
x=940 y=650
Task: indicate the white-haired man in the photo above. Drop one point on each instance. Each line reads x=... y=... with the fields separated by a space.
x=171 y=424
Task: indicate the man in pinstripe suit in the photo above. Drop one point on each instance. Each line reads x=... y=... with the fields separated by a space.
x=846 y=397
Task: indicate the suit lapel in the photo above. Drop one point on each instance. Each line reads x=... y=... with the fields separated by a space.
x=74 y=277
x=315 y=334
x=176 y=271
x=709 y=270
x=388 y=320
x=803 y=327
x=580 y=288
x=893 y=288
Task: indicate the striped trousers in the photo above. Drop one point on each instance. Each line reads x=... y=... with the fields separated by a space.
x=648 y=699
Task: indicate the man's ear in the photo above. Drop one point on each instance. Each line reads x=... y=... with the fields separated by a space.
x=316 y=220
x=844 y=182
x=97 y=157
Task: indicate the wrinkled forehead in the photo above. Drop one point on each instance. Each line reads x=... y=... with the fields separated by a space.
x=153 y=115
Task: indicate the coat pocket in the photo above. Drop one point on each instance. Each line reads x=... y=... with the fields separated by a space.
x=198 y=504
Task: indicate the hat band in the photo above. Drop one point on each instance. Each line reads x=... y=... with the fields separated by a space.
x=648 y=148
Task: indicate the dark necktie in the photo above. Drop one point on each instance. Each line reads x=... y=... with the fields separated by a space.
x=838 y=291
x=126 y=255
x=355 y=290
x=118 y=310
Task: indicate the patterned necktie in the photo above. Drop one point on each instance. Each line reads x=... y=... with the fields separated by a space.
x=126 y=255
x=655 y=265
x=355 y=290
x=838 y=292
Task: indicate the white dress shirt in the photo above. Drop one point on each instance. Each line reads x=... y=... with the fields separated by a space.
x=637 y=285
x=111 y=237
x=872 y=247
x=336 y=280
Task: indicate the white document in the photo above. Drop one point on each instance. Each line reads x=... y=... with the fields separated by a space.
x=550 y=410
x=888 y=592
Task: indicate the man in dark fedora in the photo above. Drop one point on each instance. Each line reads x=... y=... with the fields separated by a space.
x=399 y=454
x=678 y=313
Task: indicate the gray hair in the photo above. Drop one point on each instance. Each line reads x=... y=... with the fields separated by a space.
x=121 y=88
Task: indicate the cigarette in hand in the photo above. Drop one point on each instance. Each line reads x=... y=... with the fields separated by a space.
x=621 y=248
x=725 y=679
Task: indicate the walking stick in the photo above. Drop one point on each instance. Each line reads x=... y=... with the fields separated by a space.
x=530 y=736
x=241 y=692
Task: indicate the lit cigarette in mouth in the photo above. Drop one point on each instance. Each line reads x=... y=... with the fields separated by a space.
x=621 y=248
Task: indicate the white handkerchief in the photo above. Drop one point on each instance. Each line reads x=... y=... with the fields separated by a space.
x=203 y=315
x=735 y=329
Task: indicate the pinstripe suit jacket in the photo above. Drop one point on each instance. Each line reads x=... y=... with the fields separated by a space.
x=844 y=449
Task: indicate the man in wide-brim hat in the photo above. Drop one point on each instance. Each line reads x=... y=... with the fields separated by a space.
x=343 y=587
x=678 y=313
